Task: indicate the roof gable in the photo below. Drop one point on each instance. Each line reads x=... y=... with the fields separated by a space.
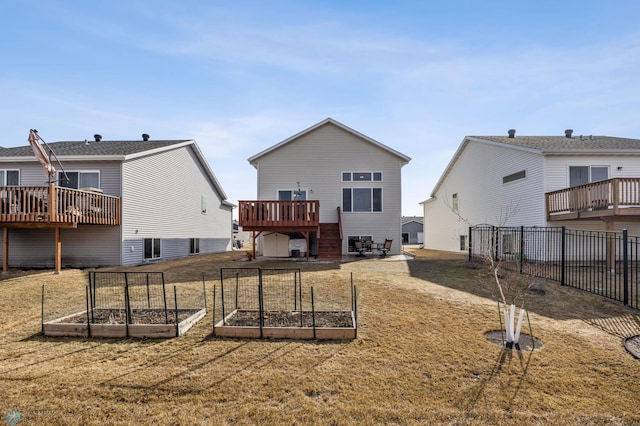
x=254 y=159
x=110 y=150
x=548 y=145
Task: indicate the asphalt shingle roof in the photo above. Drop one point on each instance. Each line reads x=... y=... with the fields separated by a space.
x=564 y=144
x=92 y=148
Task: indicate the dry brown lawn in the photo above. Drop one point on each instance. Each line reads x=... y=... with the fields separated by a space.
x=420 y=358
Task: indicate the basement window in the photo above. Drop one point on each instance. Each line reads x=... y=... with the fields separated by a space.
x=152 y=248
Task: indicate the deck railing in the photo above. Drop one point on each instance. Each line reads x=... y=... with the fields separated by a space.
x=278 y=213
x=54 y=204
x=611 y=194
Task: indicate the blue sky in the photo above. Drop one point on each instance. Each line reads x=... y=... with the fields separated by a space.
x=241 y=76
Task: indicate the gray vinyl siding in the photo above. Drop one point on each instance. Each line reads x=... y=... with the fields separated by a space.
x=317 y=160
x=483 y=198
x=412 y=228
x=162 y=198
x=87 y=245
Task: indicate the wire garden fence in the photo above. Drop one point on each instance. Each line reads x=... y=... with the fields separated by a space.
x=276 y=297
x=603 y=263
x=126 y=299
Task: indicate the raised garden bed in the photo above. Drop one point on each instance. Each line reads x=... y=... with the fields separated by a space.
x=338 y=325
x=148 y=323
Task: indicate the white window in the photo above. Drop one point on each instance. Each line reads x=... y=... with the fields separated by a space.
x=581 y=175
x=362 y=176
x=292 y=194
x=9 y=177
x=152 y=248
x=79 y=179
x=514 y=176
x=203 y=204
x=195 y=246
x=361 y=200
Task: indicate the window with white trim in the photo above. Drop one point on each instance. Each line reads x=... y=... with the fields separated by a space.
x=9 y=177
x=195 y=246
x=361 y=200
x=152 y=248
x=79 y=179
x=362 y=176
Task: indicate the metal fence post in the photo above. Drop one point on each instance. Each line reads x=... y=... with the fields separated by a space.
x=470 y=241
x=313 y=314
x=42 y=312
x=625 y=267
x=563 y=255
x=260 y=302
x=175 y=300
x=224 y=316
x=494 y=241
x=86 y=291
x=521 y=260
x=164 y=296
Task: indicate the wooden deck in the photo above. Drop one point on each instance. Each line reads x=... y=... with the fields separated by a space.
x=277 y=215
x=610 y=199
x=54 y=206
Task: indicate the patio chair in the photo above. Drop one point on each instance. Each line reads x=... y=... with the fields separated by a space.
x=385 y=248
x=359 y=247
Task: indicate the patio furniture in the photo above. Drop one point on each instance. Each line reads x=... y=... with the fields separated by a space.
x=359 y=247
x=384 y=249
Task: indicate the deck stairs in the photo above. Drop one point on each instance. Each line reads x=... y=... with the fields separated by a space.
x=329 y=242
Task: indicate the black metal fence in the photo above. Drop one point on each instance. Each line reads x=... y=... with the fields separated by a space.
x=603 y=263
x=265 y=291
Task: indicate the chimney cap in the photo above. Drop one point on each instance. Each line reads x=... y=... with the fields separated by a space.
x=145 y=137
x=567 y=133
x=97 y=137
x=512 y=133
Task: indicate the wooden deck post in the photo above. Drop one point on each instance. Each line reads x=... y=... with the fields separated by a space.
x=5 y=251
x=53 y=203
x=58 y=260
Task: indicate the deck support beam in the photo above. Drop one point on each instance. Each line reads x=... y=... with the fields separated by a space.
x=5 y=251
x=58 y=258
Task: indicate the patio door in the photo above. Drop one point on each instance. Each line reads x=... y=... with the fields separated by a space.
x=292 y=195
x=581 y=175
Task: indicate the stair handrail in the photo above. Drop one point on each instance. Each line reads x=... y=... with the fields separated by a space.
x=340 y=223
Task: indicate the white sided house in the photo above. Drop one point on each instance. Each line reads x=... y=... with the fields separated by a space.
x=115 y=203
x=581 y=182
x=321 y=190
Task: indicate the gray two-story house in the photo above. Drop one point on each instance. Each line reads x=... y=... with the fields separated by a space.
x=110 y=203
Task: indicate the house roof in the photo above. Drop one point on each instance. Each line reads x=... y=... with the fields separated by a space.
x=563 y=144
x=409 y=219
x=549 y=145
x=110 y=150
x=405 y=159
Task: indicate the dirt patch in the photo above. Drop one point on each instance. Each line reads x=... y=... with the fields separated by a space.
x=337 y=319
x=526 y=343
x=632 y=345
x=138 y=316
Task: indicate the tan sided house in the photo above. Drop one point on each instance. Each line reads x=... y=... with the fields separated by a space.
x=111 y=203
x=323 y=191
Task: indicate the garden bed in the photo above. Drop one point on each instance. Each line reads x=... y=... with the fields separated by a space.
x=148 y=323
x=321 y=325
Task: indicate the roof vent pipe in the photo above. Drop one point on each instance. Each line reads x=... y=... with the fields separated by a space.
x=512 y=133
x=145 y=137
x=97 y=137
x=567 y=133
